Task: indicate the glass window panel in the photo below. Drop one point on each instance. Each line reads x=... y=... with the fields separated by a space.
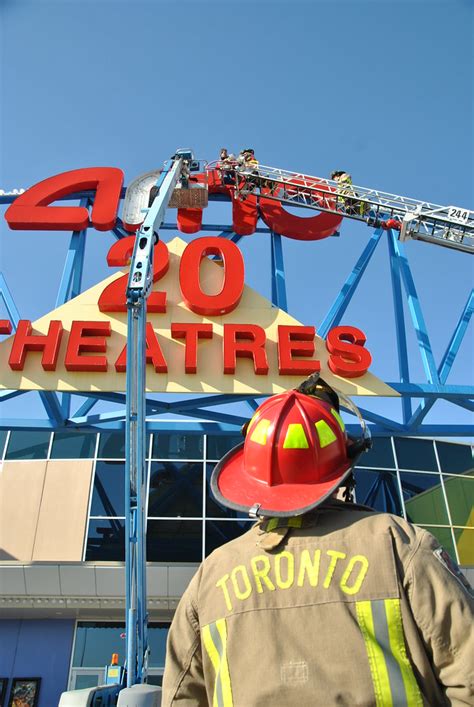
x=97 y=640
x=213 y=508
x=173 y=445
x=415 y=454
x=174 y=541
x=83 y=681
x=424 y=500
x=106 y=540
x=381 y=454
x=175 y=489
x=155 y=680
x=460 y=494
x=72 y=445
x=26 y=444
x=95 y=643
x=112 y=445
x=455 y=457
x=445 y=538
x=379 y=490
x=218 y=445
x=465 y=544
x=219 y=532
x=3 y=437
x=108 y=496
x=157 y=635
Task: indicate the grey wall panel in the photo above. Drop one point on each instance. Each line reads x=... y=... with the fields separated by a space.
x=77 y=580
x=179 y=578
x=42 y=580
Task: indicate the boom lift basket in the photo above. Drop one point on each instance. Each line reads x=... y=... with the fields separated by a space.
x=194 y=196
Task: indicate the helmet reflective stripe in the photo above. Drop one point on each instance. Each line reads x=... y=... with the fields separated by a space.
x=252 y=420
x=260 y=433
x=339 y=419
x=325 y=433
x=295 y=437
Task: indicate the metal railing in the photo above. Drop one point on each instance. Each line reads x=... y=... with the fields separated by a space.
x=450 y=226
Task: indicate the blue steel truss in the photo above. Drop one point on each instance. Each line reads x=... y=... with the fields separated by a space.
x=209 y=411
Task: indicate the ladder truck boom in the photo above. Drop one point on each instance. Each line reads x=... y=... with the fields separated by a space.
x=449 y=226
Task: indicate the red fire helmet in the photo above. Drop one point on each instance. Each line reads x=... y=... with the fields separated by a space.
x=295 y=455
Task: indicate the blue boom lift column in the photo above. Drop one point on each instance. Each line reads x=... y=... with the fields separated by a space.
x=138 y=289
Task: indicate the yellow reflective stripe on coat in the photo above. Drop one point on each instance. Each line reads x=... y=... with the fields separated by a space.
x=215 y=641
x=392 y=675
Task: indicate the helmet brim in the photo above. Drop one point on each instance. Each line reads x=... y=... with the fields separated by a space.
x=234 y=488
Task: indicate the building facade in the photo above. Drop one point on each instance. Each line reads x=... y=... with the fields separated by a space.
x=62 y=541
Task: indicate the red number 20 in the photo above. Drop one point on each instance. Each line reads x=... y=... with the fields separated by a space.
x=113 y=298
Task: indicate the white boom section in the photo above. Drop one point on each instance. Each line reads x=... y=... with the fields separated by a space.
x=450 y=226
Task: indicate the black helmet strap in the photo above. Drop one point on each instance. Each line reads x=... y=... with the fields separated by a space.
x=314 y=385
x=318 y=388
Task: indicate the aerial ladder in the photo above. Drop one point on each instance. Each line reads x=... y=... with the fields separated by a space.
x=448 y=226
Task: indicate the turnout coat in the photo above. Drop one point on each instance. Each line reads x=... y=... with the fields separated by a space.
x=342 y=606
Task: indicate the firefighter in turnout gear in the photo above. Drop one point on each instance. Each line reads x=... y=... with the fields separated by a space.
x=248 y=168
x=345 y=189
x=322 y=602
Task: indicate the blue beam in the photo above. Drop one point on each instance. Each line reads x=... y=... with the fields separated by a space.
x=50 y=400
x=278 y=273
x=7 y=297
x=252 y=404
x=456 y=339
x=212 y=227
x=416 y=312
x=71 y=279
x=448 y=358
x=66 y=405
x=381 y=420
x=206 y=401
x=402 y=349
x=52 y=406
x=71 y=283
x=215 y=416
x=99 y=418
x=340 y=304
x=201 y=427
x=8 y=394
x=466 y=404
x=426 y=390
x=86 y=407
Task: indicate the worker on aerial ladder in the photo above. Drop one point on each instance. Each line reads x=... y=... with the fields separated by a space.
x=227 y=163
x=345 y=189
x=322 y=601
x=248 y=167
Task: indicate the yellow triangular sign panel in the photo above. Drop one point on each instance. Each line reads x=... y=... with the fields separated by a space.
x=210 y=378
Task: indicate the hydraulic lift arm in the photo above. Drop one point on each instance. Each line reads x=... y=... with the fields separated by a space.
x=138 y=289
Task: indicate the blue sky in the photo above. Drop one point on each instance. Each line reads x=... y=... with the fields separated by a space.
x=382 y=88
